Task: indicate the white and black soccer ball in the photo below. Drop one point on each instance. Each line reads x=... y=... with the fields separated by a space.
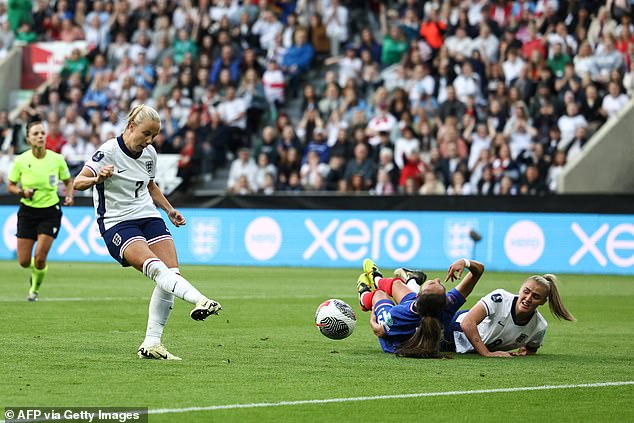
x=335 y=319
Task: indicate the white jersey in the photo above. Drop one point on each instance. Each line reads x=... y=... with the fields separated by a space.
x=124 y=196
x=498 y=330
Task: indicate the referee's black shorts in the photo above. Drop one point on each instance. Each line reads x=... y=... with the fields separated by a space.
x=34 y=221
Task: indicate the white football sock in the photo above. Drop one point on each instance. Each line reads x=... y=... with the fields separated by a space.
x=161 y=305
x=411 y=284
x=169 y=281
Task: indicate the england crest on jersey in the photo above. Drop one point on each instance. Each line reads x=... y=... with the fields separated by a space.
x=149 y=165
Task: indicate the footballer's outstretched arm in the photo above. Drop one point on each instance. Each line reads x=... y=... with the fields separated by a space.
x=469 y=325
x=160 y=200
x=465 y=287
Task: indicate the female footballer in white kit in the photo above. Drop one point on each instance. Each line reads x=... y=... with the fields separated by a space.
x=125 y=197
x=502 y=321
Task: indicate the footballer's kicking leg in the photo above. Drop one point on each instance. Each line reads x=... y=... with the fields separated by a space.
x=367 y=284
x=412 y=278
x=139 y=255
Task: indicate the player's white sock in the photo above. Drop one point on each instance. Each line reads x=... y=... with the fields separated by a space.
x=161 y=305
x=411 y=284
x=169 y=281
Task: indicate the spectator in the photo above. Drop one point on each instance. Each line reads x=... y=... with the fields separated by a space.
x=479 y=141
x=394 y=47
x=459 y=45
x=574 y=147
x=233 y=111
x=19 y=12
x=384 y=184
x=266 y=28
x=559 y=162
x=505 y=187
x=297 y=59
x=183 y=45
x=97 y=97
x=369 y=44
x=97 y=34
x=245 y=166
x=413 y=169
x=313 y=172
x=404 y=146
x=25 y=33
x=361 y=165
x=76 y=63
x=558 y=59
x=264 y=168
x=225 y=61
x=55 y=140
x=605 y=60
x=336 y=20
x=532 y=183
x=487 y=44
x=318 y=35
x=7 y=37
x=451 y=107
x=615 y=100
x=432 y=185
x=317 y=145
x=432 y=29
x=274 y=84
x=486 y=184
x=74 y=153
x=70 y=31
x=458 y=185
x=467 y=84
x=569 y=123
x=601 y=25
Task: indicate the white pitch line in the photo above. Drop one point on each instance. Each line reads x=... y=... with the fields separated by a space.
x=227 y=297
x=377 y=397
x=384 y=397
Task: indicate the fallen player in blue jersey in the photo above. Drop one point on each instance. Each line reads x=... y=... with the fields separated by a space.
x=409 y=312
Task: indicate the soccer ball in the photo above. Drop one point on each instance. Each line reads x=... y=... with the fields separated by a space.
x=335 y=319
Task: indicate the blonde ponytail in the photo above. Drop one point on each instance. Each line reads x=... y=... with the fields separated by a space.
x=557 y=307
x=140 y=113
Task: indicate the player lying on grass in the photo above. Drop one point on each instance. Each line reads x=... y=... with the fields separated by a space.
x=409 y=312
x=501 y=321
x=122 y=171
x=498 y=323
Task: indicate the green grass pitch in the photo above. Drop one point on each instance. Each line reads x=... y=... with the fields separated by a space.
x=77 y=347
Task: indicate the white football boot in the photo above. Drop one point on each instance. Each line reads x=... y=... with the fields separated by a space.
x=157 y=352
x=205 y=308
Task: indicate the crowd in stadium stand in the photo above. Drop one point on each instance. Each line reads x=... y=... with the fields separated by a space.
x=414 y=97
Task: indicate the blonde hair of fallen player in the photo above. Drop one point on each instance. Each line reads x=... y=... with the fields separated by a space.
x=534 y=292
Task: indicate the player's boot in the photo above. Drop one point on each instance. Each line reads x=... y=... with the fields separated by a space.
x=157 y=352
x=372 y=270
x=205 y=308
x=33 y=294
x=407 y=274
x=364 y=285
